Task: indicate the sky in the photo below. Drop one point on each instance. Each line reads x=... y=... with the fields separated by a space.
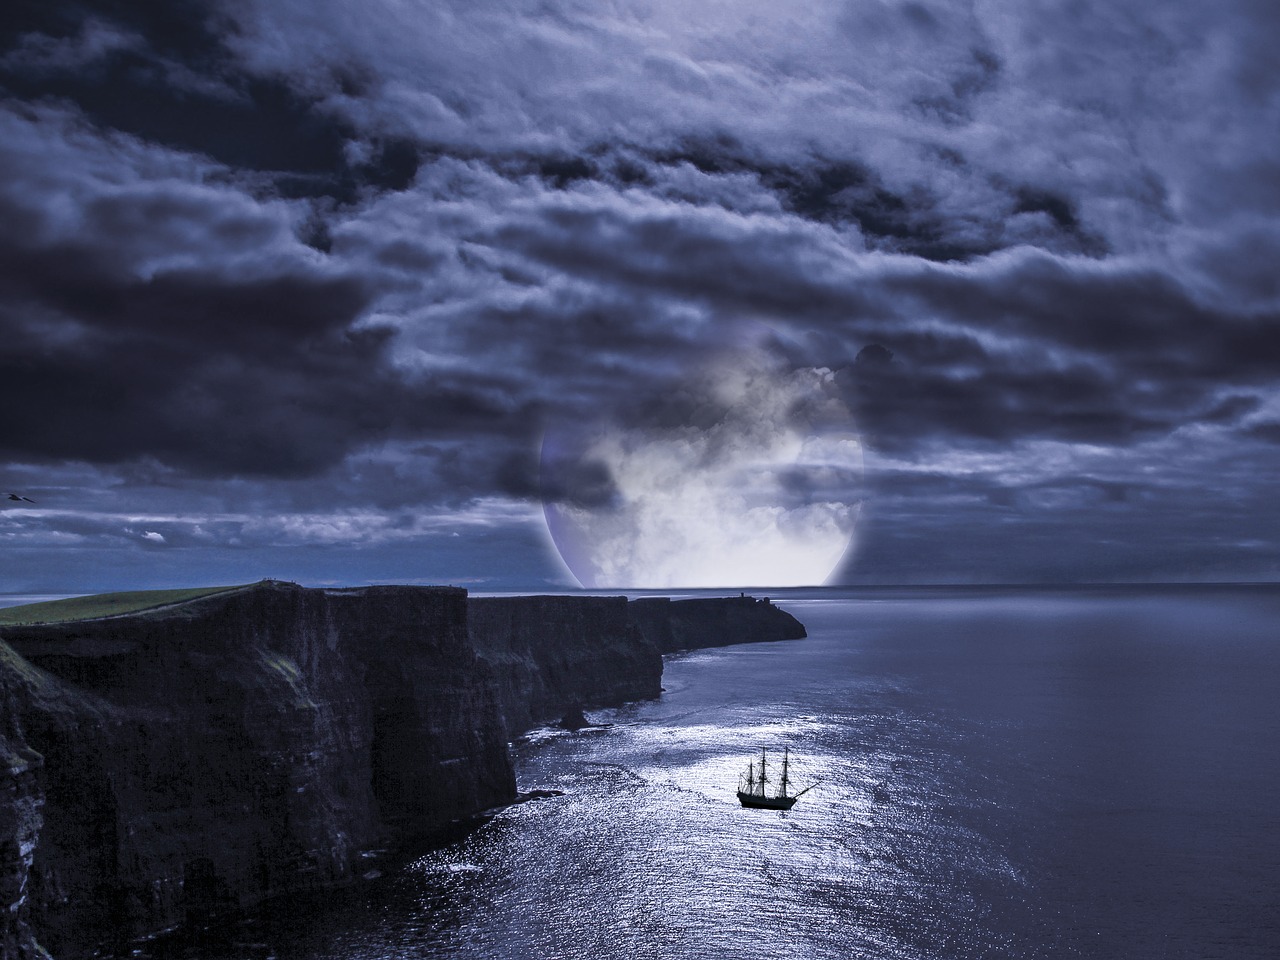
x=297 y=288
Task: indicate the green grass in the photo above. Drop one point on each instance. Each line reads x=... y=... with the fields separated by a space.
x=101 y=605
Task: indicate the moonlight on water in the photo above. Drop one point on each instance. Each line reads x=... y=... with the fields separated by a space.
x=745 y=472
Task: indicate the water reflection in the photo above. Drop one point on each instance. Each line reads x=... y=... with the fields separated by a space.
x=649 y=853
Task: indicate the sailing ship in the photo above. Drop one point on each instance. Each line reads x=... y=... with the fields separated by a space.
x=753 y=786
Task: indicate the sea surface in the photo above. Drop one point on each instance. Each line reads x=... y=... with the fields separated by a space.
x=1012 y=773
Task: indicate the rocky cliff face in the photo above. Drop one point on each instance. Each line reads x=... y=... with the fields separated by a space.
x=160 y=767
x=554 y=654
x=205 y=757
x=21 y=798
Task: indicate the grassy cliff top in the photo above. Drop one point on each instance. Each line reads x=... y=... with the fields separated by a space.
x=102 y=605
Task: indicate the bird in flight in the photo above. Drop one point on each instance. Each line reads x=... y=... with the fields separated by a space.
x=14 y=496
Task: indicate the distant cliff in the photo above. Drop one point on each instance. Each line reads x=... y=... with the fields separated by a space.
x=673 y=625
x=160 y=767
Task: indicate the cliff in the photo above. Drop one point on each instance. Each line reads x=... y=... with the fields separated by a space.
x=552 y=655
x=161 y=767
x=204 y=757
x=673 y=625
x=21 y=798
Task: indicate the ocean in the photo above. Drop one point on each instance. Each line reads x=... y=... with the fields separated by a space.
x=1004 y=773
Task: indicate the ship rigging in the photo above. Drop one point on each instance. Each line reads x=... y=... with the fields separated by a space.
x=753 y=786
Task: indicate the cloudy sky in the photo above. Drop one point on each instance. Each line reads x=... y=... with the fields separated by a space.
x=294 y=288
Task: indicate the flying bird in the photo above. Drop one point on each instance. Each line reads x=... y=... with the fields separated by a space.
x=14 y=496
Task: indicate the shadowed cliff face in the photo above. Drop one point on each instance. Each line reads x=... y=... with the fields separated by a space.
x=554 y=654
x=207 y=756
x=20 y=801
x=162 y=767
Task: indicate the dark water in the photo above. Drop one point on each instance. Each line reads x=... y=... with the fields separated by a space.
x=1017 y=774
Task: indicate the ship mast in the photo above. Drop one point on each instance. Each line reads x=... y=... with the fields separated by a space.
x=785 y=759
x=763 y=779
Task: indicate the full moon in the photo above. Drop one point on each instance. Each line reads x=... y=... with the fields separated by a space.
x=744 y=474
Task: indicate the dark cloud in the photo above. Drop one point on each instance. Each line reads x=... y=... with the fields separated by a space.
x=964 y=392
x=1268 y=430
x=1142 y=318
x=162 y=71
x=914 y=221
x=579 y=483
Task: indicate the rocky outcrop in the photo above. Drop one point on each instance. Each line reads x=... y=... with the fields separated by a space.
x=165 y=766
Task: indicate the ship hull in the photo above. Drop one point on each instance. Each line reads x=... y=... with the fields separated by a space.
x=757 y=802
